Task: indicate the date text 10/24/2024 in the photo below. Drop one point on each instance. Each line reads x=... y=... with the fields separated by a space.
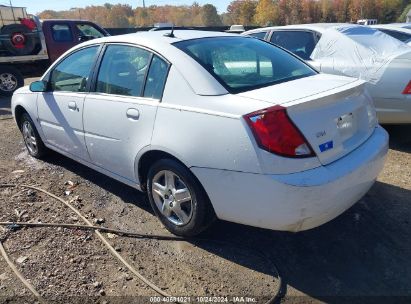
x=202 y=299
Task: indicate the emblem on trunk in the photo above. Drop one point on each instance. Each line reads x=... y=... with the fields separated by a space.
x=321 y=134
x=345 y=121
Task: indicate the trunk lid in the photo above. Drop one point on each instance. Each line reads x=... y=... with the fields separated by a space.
x=335 y=114
x=301 y=88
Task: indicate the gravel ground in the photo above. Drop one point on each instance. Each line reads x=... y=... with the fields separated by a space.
x=363 y=255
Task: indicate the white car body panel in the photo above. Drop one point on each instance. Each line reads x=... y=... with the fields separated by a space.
x=114 y=140
x=297 y=201
x=61 y=123
x=199 y=123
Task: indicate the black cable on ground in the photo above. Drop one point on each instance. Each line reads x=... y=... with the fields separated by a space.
x=16 y=225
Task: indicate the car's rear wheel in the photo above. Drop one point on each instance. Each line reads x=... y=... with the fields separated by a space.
x=31 y=137
x=178 y=199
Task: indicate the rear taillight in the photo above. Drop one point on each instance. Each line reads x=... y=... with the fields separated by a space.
x=407 y=90
x=275 y=132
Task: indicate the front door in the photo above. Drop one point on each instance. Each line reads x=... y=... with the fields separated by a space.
x=60 y=110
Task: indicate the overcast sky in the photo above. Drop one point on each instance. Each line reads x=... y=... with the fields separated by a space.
x=36 y=6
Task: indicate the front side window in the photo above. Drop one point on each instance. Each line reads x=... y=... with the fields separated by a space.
x=300 y=43
x=123 y=70
x=72 y=74
x=89 y=31
x=242 y=64
x=61 y=33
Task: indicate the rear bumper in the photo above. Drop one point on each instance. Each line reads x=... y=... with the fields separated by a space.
x=299 y=201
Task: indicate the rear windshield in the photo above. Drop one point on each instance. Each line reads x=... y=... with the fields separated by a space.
x=242 y=63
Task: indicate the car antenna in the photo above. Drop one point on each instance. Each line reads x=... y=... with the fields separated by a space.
x=171 y=35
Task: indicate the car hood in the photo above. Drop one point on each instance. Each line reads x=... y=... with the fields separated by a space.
x=23 y=90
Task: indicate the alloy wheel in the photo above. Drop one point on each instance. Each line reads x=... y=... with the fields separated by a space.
x=172 y=197
x=29 y=138
x=8 y=82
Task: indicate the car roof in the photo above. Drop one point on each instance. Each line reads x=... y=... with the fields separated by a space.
x=318 y=27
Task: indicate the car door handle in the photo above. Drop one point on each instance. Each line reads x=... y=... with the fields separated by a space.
x=72 y=105
x=133 y=114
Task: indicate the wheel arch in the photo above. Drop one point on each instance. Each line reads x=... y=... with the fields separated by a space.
x=148 y=157
x=19 y=110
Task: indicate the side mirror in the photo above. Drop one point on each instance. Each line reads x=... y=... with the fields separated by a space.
x=39 y=86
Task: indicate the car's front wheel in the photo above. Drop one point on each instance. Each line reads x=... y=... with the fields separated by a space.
x=31 y=137
x=178 y=199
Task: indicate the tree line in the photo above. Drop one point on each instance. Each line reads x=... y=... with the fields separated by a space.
x=246 y=12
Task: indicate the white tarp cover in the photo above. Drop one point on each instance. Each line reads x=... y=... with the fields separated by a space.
x=358 y=51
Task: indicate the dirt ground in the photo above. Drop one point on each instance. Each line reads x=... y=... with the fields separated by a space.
x=362 y=256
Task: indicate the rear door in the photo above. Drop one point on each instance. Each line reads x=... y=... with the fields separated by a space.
x=119 y=115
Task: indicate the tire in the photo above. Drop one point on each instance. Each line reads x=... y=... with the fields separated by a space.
x=20 y=39
x=10 y=80
x=198 y=211
x=31 y=137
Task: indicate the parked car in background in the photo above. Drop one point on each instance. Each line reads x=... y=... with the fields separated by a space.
x=400 y=31
x=356 y=51
x=29 y=45
x=210 y=125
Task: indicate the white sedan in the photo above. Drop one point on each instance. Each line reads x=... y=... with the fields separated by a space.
x=356 y=51
x=210 y=125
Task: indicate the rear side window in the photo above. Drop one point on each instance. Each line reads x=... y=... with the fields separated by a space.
x=156 y=78
x=61 y=33
x=300 y=43
x=259 y=35
x=123 y=70
x=242 y=63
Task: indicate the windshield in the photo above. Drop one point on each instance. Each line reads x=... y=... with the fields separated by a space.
x=241 y=64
